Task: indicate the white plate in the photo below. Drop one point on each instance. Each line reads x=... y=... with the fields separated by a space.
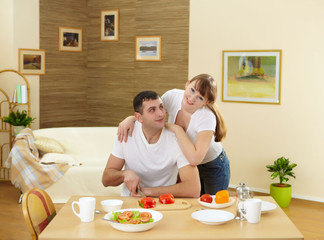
x=267 y=206
x=157 y=216
x=213 y=204
x=212 y=217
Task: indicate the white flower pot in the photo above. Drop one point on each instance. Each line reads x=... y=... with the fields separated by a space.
x=17 y=129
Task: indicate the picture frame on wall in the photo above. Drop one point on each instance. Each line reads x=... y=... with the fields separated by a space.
x=70 y=39
x=110 y=25
x=148 y=48
x=31 y=61
x=252 y=76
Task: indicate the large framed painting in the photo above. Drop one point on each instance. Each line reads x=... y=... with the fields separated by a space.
x=31 y=61
x=109 y=25
x=148 y=48
x=252 y=76
x=70 y=39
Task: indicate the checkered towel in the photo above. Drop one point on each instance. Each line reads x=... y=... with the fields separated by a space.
x=25 y=171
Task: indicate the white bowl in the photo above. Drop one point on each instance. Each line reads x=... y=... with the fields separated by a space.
x=111 y=204
x=157 y=216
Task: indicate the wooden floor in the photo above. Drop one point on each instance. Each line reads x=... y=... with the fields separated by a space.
x=307 y=216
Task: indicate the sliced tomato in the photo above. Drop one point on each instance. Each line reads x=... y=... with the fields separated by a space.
x=123 y=216
x=145 y=214
x=134 y=221
x=128 y=213
x=147 y=202
x=145 y=219
x=206 y=198
x=166 y=199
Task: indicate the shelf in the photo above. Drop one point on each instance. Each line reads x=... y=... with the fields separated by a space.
x=2 y=130
x=6 y=128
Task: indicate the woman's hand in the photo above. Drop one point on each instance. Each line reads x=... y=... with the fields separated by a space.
x=125 y=128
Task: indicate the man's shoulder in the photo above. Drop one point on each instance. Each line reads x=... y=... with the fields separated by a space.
x=170 y=136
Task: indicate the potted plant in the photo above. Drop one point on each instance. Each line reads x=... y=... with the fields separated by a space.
x=19 y=120
x=281 y=192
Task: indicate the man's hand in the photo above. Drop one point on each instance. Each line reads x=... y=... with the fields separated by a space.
x=132 y=182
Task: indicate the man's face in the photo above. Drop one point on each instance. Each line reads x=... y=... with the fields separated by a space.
x=153 y=115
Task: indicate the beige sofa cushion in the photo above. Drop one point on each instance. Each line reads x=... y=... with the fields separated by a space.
x=48 y=145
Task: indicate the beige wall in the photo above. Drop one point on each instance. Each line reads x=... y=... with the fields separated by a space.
x=19 y=28
x=258 y=133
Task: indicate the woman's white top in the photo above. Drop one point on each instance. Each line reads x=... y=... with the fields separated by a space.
x=202 y=119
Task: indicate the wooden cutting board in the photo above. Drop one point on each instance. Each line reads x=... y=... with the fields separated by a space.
x=177 y=205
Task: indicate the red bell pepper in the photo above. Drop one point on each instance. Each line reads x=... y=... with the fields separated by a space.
x=166 y=199
x=147 y=202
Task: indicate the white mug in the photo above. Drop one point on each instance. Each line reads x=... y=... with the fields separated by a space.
x=86 y=208
x=252 y=210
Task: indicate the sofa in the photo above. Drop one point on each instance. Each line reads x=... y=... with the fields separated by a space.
x=90 y=148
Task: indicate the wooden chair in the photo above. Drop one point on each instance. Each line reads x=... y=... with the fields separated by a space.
x=38 y=210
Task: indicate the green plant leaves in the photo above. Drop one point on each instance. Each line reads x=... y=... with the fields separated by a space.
x=18 y=118
x=282 y=168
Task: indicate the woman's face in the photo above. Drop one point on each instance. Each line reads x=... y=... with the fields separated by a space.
x=192 y=99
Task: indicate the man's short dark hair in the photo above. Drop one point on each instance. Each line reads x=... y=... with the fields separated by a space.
x=141 y=97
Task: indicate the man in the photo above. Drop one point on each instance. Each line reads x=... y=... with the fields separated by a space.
x=152 y=156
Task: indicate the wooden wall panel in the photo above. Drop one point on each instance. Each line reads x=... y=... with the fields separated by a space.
x=98 y=90
x=111 y=64
x=63 y=98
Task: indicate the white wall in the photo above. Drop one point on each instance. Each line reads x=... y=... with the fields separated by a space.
x=6 y=34
x=258 y=133
x=19 y=28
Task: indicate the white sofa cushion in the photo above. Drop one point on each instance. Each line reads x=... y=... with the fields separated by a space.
x=61 y=158
x=91 y=146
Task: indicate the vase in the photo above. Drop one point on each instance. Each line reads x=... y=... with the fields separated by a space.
x=282 y=195
x=17 y=129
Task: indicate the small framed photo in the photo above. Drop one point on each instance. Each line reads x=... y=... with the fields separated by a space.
x=109 y=25
x=148 y=48
x=70 y=39
x=252 y=76
x=31 y=61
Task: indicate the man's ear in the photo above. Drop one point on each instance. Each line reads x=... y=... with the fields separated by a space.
x=138 y=117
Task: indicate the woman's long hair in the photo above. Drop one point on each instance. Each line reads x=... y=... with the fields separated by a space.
x=206 y=85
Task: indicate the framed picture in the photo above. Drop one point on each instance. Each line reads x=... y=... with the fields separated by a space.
x=109 y=25
x=70 y=39
x=148 y=48
x=252 y=76
x=31 y=61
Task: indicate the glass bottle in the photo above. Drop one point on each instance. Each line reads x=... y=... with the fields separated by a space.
x=242 y=193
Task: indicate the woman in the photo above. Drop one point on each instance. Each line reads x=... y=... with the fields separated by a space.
x=195 y=119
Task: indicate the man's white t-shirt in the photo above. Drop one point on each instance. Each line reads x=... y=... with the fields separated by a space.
x=156 y=164
x=201 y=120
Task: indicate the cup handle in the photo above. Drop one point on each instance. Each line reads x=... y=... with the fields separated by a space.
x=77 y=214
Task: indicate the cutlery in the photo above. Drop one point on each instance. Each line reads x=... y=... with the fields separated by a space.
x=107 y=220
x=140 y=192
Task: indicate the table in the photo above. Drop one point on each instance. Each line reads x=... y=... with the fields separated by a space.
x=176 y=224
